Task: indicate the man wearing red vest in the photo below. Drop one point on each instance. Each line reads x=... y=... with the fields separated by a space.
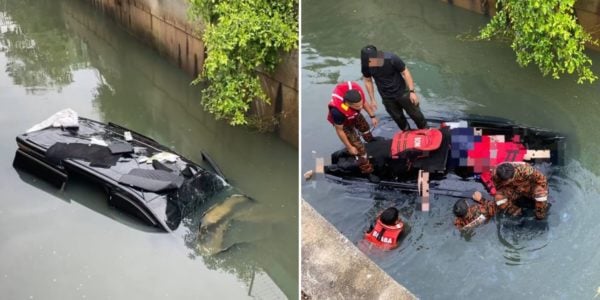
x=387 y=230
x=347 y=100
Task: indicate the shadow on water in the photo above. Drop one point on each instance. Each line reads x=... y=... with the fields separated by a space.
x=520 y=236
x=95 y=199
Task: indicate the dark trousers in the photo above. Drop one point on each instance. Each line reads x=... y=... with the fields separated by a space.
x=363 y=128
x=396 y=107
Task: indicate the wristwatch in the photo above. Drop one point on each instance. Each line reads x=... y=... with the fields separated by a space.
x=411 y=91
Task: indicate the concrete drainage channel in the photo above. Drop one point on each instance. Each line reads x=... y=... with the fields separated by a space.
x=165 y=27
x=333 y=268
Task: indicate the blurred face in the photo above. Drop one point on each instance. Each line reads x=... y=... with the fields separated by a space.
x=375 y=62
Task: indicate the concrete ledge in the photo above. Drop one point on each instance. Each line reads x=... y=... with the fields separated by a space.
x=333 y=268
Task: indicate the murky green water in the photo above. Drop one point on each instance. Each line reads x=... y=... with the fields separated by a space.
x=71 y=245
x=506 y=259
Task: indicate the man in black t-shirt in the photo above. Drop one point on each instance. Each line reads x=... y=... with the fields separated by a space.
x=394 y=84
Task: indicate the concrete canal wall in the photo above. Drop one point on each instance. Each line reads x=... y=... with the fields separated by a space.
x=333 y=268
x=164 y=25
x=587 y=11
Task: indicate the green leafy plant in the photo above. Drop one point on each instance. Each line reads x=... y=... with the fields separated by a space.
x=546 y=33
x=242 y=36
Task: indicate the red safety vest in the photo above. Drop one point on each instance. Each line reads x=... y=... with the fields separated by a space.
x=337 y=101
x=423 y=140
x=385 y=236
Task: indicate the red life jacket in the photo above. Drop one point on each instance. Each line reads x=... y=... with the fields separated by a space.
x=423 y=140
x=337 y=101
x=385 y=236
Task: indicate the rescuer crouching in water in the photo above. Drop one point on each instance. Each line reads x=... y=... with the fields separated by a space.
x=519 y=180
x=386 y=231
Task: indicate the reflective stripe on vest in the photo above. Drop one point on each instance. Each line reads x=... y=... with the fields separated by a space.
x=337 y=101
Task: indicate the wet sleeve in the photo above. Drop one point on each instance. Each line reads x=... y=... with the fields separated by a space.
x=537 y=177
x=490 y=208
x=338 y=117
x=540 y=179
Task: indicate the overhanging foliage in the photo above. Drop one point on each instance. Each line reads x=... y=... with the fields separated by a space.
x=546 y=33
x=241 y=36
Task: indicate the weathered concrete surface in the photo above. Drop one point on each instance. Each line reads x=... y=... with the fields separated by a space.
x=588 y=14
x=333 y=268
x=164 y=25
x=587 y=11
x=282 y=89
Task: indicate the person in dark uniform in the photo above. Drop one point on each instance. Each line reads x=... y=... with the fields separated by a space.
x=347 y=101
x=395 y=85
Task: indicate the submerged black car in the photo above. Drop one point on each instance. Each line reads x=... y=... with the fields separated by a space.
x=453 y=157
x=139 y=175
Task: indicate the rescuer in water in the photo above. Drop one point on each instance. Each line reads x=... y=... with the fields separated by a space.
x=474 y=215
x=386 y=231
x=514 y=180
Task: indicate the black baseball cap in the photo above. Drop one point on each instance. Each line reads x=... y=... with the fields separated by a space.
x=369 y=51
x=352 y=96
x=366 y=53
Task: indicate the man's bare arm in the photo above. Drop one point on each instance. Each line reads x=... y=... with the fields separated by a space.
x=371 y=91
